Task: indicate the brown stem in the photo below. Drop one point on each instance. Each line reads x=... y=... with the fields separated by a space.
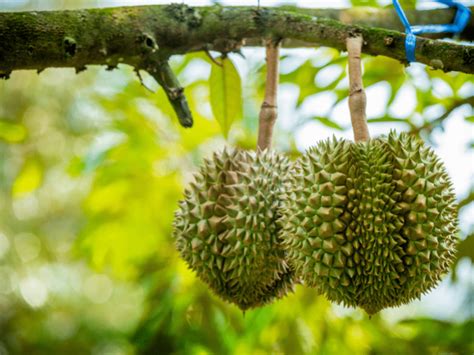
x=268 y=111
x=357 y=98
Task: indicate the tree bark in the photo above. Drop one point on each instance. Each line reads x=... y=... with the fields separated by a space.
x=140 y=36
x=388 y=18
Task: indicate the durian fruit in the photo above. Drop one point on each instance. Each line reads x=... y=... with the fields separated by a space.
x=226 y=227
x=371 y=224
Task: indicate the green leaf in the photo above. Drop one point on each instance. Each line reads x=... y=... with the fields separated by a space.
x=466 y=248
x=408 y=4
x=225 y=94
x=12 y=132
x=371 y=3
x=327 y=122
x=388 y=119
x=29 y=178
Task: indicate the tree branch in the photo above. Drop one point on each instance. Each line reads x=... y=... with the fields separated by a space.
x=466 y=201
x=133 y=35
x=163 y=74
x=269 y=111
x=438 y=122
x=387 y=18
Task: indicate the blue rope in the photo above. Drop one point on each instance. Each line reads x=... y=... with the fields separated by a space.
x=460 y=21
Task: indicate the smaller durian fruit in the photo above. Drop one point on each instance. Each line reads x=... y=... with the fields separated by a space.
x=371 y=224
x=226 y=227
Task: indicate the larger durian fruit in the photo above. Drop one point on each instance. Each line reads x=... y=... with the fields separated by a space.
x=371 y=224
x=226 y=227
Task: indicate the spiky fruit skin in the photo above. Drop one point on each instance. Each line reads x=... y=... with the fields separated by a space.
x=371 y=224
x=226 y=227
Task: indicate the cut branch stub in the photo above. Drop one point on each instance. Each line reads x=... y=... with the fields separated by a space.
x=162 y=73
x=357 y=97
x=268 y=111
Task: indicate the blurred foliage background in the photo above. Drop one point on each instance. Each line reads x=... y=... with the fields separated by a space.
x=91 y=169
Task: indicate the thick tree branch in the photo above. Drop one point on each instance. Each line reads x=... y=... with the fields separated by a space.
x=387 y=18
x=140 y=35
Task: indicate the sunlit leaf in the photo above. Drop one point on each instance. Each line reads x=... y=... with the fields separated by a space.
x=76 y=167
x=303 y=77
x=327 y=122
x=12 y=132
x=29 y=178
x=408 y=4
x=388 y=119
x=205 y=127
x=364 y=2
x=225 y=94
x=186 y=59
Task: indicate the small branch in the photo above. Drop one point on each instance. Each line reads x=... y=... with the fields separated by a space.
x=466 y=201
x=162 y=73
x=141 y=80
x=209 y=55
x=438 y=122
x=357 y=98
x=269 y=111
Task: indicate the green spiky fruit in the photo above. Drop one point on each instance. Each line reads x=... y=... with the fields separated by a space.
x=226 y=228
x=371 y=224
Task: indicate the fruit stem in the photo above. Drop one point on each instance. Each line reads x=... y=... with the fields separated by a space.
x=357 y=98
x=268 y=110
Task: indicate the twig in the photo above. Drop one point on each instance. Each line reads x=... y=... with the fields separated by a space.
x=429 y=126
x=162 y=73
x=214 y=60
x=466 y=200
x=137 y=71
x=357 y=98
x=268 y=111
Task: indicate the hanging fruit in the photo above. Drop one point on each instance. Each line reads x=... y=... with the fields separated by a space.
x=226 y=227
x=372 y=223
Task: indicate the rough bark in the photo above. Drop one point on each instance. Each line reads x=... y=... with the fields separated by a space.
x=388 y=18
x=138 y=35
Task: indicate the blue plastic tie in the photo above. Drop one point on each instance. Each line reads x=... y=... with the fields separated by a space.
x=460 y=21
